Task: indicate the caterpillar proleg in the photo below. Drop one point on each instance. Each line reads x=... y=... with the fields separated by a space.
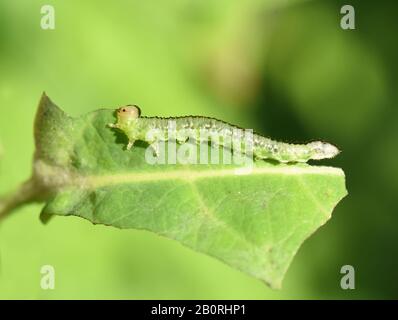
x=154 y=130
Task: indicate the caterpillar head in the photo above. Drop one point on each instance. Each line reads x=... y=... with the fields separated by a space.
x=323 y=150
x=128 y=113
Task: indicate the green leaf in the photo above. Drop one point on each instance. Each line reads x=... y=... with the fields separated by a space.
x=254 y=222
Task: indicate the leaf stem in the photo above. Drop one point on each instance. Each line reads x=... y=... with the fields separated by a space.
x=30 y=191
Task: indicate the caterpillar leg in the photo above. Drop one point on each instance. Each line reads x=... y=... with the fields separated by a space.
x=113 y=125
x=181 y=138
x=155 y=147
x=130 y=145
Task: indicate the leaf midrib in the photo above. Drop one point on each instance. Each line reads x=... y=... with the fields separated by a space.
x=95 y=181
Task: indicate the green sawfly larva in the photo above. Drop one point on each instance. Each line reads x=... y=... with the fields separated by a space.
x=155 y=129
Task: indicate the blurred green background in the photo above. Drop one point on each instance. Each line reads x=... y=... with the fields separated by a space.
x=284 y=68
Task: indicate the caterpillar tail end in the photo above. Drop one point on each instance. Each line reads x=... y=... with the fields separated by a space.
x=323 y=150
